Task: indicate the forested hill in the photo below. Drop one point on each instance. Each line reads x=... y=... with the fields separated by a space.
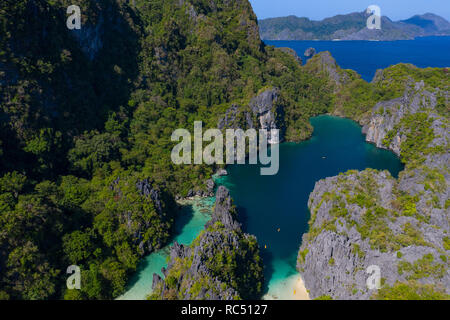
x=352 y=26
x=86 y=120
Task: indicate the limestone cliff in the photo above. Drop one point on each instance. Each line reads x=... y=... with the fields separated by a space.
x=223 y=263
x=360 y=219
x=265 y=111
x=389 y=114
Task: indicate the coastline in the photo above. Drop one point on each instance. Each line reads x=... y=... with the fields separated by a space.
x=194 y=213
x=361 y=40
x=285 y=282
x=291 y=288
x=282 y=286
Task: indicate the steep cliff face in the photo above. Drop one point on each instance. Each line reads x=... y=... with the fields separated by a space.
x=324 y=64
x=360 y=219
x=50 y=75
x=142 y=211
x=269 y=111
x=223 y=263
x=292 y=52
x=381 y=127
x=265 y=111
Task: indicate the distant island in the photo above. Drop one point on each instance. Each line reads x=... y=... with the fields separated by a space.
x=352 y=26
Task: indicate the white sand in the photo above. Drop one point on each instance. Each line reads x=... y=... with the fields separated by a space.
x=292 y=288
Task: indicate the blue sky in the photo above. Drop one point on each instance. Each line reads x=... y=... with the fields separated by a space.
x=319 y=9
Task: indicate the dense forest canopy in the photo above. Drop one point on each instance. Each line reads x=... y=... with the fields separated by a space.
x=86 y=119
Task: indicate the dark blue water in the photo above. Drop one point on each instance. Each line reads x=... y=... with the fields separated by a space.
x=274 y=208
x=366 y=57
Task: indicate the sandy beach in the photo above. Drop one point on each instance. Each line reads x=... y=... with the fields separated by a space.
x=292 y=288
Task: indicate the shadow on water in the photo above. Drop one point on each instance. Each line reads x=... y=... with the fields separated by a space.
x=242 y=217
x=267 y=258
x=143 y=264
x=185 y=214
x=266 y=255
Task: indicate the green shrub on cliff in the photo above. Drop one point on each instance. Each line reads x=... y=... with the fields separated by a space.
x=360 y=189
x=239 y=268
x=411 y=291
x=422 y=268
x=324 y=298
x=447 y=243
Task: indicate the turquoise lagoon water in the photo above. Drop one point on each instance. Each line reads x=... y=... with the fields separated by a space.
x=190 y=222
x=268 y=203
x=274 y=208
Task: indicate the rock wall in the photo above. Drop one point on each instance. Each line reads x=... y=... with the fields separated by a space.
x=335 y=255
x=360 y=219
x=387 y=114
x=264 y=111
x=197 y=272
x=137 y=222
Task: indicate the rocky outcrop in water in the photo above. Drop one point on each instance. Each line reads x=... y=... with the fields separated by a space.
x=361 y=219
x=369 y=218
x=223 y=263
x=221 y=173
x=310 y=52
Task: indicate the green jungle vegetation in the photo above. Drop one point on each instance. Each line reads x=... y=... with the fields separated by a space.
x=411 y=290
x=318 y=29
x=87 y=115
x=86 y=118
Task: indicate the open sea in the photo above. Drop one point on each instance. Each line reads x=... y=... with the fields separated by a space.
x=366 y=57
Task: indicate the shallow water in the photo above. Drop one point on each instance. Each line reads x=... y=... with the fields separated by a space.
x=189 y=223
